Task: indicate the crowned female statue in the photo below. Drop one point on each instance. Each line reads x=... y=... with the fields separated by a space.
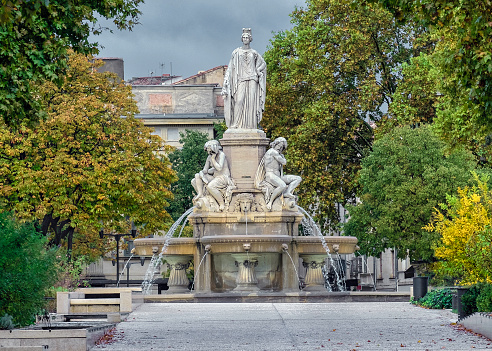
x=244 y=86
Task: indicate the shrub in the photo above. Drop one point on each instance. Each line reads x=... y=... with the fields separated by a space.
x=437 y=299
x=27 y=270
x=469 y=298
x=6 y=322
x=484 y=299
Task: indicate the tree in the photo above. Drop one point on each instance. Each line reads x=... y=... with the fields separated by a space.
x=463 y=224
x=415 y=98
x=463 y=59
x=35 y=36
x=186 y=161
x=328 y=78
x=89 y=162
x=403 y=179
x=27 y=270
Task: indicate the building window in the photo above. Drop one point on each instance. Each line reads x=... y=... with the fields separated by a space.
x=157 y=131
x=172 y=134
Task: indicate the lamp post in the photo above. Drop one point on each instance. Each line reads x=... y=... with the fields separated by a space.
x=118 y=237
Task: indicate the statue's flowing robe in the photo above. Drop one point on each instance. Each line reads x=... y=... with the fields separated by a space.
x=244 y=89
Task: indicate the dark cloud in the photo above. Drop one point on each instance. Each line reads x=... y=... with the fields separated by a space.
x=194 y=35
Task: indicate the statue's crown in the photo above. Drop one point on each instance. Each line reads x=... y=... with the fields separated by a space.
x=248 y=31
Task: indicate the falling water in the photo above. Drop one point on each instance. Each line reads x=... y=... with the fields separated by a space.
x=149 y=275
x=123 y=270
x=182 y=228
x=325 y=272
x=198 y=270
x=341 y=270
x=309 y=227
x=295 y=269
x=156 y=259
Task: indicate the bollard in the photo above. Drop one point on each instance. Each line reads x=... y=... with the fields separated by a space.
x=460 y=291
x=419 y=287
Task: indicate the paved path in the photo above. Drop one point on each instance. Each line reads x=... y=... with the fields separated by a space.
x=291 y=326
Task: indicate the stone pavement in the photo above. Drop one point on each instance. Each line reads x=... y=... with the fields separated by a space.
x=291 y=326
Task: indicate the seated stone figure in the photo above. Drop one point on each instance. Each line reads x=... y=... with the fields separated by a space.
x=215 y=178
x=270 y=178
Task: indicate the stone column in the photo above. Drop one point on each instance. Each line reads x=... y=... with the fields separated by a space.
x=246 y=277
x=314 y=279
x=178 y=281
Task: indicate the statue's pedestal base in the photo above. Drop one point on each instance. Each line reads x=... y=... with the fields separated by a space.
x=244 y=149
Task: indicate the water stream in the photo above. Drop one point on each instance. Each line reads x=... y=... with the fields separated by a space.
x=311 y=228
x=157 y=259
x=295 y=268
x=123 y=271
x=198 y=270
x=342 y=271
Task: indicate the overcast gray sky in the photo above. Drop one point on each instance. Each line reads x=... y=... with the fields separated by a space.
x=194 y=35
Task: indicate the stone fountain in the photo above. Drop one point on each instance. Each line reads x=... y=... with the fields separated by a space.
x=245 y=218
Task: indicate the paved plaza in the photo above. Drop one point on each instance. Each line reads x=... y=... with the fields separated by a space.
x=291 y=326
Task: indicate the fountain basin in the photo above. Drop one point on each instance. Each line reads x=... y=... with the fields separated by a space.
x=336 y=244
x=254 y=223
x=177 y=246
x=234 y=243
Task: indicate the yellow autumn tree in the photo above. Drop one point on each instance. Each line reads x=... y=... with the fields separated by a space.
x=465 y=226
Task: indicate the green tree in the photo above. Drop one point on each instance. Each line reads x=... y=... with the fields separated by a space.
x=186 y=161
x=35 y=36
x=463 y=60
x=85 y=163
x=27 y=270
x=404 y=178
x=328 y=78
x=415 y=98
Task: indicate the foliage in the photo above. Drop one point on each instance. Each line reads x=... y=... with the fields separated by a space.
x=462 y=59
x=7 y=322
x=90 y=162
x=327 y=77
x=71 y=271
x=484 y=300
x=27 y=269
x=186 y=161
x=35 y=36
x=469 y=298
x=464 y=224
x=219 y=128
x=406 y=175
x=415 y=97
x=437 y=299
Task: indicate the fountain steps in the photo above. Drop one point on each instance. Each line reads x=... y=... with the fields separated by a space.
x=282 y=297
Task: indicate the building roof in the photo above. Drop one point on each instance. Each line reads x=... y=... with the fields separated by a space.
x=165 y=79
x=198 y=75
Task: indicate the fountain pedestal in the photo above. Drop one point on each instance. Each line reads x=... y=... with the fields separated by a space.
x=178 y=281
x=246 y=277
x=314 y=279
